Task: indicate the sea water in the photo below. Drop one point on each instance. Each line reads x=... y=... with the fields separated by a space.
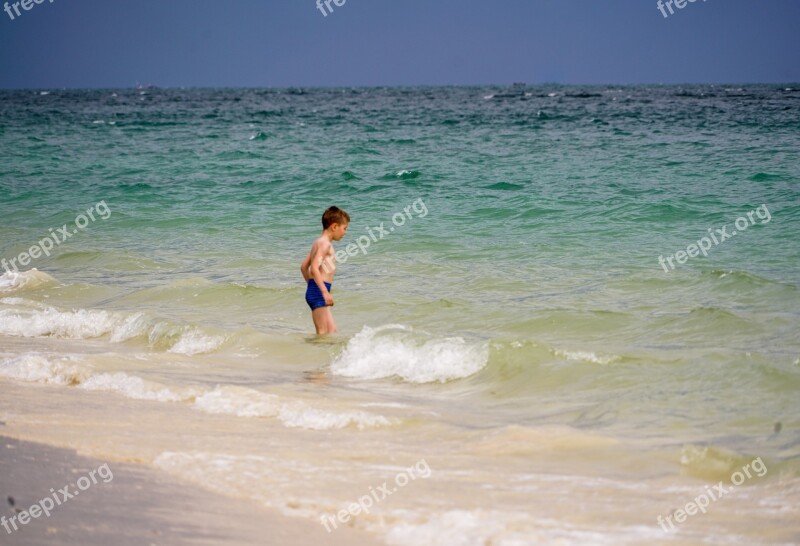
x=520 y=304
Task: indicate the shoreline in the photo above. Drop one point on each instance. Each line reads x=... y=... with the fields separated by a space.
x=137 y=505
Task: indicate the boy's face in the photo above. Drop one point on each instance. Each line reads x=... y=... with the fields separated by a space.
x=339 y=230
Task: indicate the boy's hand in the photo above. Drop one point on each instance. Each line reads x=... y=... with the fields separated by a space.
x=328 y=298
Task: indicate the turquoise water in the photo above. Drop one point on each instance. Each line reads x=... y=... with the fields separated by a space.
x=523 y=287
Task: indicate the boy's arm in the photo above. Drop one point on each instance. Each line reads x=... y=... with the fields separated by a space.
x=318 y=252
x=305 y=264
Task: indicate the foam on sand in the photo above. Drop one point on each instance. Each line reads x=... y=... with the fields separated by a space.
x=507 y=528
x=245 y=402
x=223 y=399
x=239 y=401
x=134 y=387
x=39 y=368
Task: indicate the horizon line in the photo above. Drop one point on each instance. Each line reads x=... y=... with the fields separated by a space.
x=154 y=87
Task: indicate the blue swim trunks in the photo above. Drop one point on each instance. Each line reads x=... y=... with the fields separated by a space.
x=314 y=297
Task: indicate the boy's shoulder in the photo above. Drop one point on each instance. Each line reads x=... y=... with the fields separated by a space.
x=321 y=242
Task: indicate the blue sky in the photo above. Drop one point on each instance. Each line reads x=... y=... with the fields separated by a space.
x=280 y=43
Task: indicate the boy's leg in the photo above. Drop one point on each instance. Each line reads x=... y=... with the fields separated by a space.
x=323 y=320
x=331 y=323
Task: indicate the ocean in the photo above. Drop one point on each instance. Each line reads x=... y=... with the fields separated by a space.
x=577 y=306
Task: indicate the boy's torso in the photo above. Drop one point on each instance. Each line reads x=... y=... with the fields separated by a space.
x=328 y=267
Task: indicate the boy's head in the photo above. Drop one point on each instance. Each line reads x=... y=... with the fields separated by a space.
x=336 y=221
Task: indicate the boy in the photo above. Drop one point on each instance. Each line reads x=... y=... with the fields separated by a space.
x=319 y=266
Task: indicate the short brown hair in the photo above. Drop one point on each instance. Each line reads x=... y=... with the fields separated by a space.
x=334 y=215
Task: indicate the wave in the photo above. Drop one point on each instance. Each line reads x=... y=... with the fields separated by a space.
x=479 y=527
x=14 y=281
x=743 y=279
x=239 y=401
x=111 y=260
x=349 y=175
x=767 y=177
x=25 y=318
x=398 y=351
x=587 y=356
x=260 y=136
x=133 y=387
x=194 y=342
x=515 y=440
x=315 y=419
x=37 y=368
x=712 y=463
x=223 y=399
x=403 y=174
x=201 y=292
x=505 y=186
x=244 y=402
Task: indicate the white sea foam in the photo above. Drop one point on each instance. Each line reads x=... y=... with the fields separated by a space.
x=198 y=463
x=229 y=400
x=298 y=415
x=506 y=528
x=396 y=351
x=40 y=368
x=454 y=528
x=11 y=281
x=133 y=387
x=26 y=318
x=130 y=327
x=245 y=402
x=586 y=356
x=194 y=342
x=48 y=321
x=239 y=401
x=22 y=302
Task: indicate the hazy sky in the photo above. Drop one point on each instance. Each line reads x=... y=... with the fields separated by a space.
x=279 y=43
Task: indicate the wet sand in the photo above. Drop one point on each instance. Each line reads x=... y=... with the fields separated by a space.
x=137 y=506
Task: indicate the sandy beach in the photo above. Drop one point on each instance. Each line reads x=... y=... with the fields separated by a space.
x=138 y=505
